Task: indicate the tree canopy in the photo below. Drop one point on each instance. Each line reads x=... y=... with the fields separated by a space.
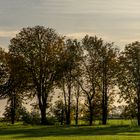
x=84 y=73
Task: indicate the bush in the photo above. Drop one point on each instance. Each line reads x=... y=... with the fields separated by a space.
x=31 y=118
x=51 y=120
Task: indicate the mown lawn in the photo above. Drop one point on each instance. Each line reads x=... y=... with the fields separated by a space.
x=115 y=130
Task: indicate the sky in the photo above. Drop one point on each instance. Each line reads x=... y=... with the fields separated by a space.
x=114 y=20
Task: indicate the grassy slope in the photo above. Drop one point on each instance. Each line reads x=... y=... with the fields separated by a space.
x=116 y=130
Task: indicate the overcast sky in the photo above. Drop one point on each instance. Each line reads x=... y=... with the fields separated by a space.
x=113 y=20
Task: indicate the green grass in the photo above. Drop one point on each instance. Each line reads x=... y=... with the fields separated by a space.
x=115 y=130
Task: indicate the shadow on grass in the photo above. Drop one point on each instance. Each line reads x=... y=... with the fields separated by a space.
x=46 y=131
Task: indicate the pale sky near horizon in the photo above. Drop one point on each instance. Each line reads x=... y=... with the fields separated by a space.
x=114 y=20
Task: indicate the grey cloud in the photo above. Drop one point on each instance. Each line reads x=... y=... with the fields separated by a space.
x=110 y=17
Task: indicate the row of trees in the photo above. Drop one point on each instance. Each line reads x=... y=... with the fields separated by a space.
x=92 y=72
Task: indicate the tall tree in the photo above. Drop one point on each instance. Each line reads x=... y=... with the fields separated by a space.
x=108 y=68
x=14 y=86
x=90 y=72
x=99 y=66
x=3 y=67
x=58 y=111
x=40 y=48
x=71 y=58
x=129 y=76
x=77 y=95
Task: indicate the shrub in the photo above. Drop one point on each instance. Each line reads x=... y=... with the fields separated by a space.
x=31 y=118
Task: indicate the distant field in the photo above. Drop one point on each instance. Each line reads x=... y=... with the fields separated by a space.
x=115 y=130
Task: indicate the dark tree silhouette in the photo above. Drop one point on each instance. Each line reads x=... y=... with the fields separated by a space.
x=40 y=49
x=129 y=76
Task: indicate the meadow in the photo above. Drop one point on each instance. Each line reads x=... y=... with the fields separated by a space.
x=115 y=130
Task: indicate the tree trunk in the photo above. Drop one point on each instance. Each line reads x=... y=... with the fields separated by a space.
x=77 y=105
x=42 y=107
x=43 y=115
x=104 y=96
x=104 y=106
x=91 y=119
x=138 y=115
x=138 y=106
x=68 y=119
x=90 y=113
x=91 y=116
x=67 y=112
x=104 y=116
x=13 y=116
x=62 y=116
x=76 y=112
x=13 y=109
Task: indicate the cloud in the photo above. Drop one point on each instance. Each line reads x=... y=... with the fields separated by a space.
x=119 y=43
x=4 y=47
x=80 y=35
x=128 y=40
x=8 y=33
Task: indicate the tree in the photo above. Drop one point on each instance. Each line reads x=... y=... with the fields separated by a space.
x=108 y=69
x=90 y=72
x=14 y=87
x=8 y=85
x=40 y=48
x=3 y=67
x=129 y=76
x=77 y=95
x=99 y=70
x=58 y=111
x=129 y=111
x=13 y=108
x=70 y=60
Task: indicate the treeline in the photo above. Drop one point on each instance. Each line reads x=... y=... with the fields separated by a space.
x=86 y=76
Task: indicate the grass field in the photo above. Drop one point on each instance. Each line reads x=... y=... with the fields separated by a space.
x=115 y=130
